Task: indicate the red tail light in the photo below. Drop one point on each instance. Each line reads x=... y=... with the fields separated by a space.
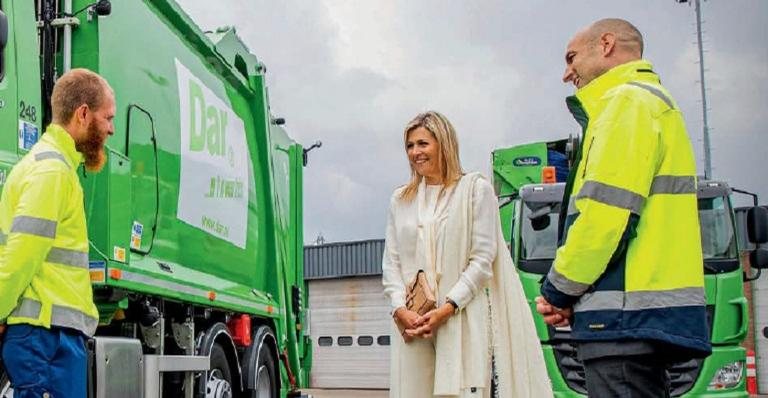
x=240 y=328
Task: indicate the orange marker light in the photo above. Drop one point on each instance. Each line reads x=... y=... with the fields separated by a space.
x=270 y=309
x=115 y=273
x=98 y=276
x=211 y=295
x=548 y=175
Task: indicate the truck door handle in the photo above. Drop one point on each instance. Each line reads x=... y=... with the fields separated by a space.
x=742 y=303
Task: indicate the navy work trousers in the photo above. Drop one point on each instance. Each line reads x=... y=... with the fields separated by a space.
x=45 y=362
x=631 y=376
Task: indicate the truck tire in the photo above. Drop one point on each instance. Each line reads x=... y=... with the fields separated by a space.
x=260 y=366
x=266 y=381
x=219 y=383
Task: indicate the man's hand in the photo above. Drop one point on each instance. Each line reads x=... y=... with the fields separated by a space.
x=431 y=321
x=2 y=330
x=557 y=317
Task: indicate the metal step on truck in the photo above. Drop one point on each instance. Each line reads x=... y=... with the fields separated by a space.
x=195 y=222
x=530 y=182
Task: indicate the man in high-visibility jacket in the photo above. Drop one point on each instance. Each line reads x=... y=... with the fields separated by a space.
x=628 y=276
x=46 y=300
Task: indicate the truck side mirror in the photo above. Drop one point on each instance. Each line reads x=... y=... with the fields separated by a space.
x=540 y=216
x=758 y=259
x=102 y=8
x=757 y=225
x=540 y=223
x=305 y=157
x=3 y=30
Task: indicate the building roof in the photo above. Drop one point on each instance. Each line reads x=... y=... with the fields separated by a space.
x=343 y=259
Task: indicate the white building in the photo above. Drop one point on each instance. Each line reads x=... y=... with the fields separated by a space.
x=350 y=323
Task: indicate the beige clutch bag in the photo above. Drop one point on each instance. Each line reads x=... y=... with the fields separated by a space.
x=419 y=297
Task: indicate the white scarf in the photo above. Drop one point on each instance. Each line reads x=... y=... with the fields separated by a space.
x=518 y=357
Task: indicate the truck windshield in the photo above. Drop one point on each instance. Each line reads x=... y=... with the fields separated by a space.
x=717 y=233
x=541 y=244
x=718 y=240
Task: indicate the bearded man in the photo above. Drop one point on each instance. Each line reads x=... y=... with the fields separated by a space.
x=46 y=300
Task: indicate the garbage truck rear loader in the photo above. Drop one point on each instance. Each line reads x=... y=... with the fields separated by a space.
x=195 y=222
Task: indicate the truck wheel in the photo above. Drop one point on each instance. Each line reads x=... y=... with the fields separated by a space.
x=260 y=366
x=219 y=384
x=266 y=382
x=5 y=384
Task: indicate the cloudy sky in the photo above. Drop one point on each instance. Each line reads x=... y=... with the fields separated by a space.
x=353 y=73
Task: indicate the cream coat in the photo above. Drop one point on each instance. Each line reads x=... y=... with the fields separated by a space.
x=464 y=247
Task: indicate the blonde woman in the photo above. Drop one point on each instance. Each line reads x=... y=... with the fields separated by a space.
x=445 y=222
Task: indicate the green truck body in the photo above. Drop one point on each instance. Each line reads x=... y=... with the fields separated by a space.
x=529 y=211
x=195 y=222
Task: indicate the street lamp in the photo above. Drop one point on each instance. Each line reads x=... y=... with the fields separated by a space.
x=707 y=146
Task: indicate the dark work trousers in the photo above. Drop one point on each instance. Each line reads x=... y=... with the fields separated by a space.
x=628 y=376
x=49 y=363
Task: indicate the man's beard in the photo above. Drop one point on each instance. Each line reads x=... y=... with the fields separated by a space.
x=92 y=149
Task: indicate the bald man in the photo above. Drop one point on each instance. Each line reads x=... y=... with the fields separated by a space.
x=628 y=277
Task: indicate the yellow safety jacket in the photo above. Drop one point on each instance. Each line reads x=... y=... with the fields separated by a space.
x=44 y=278
x=630 y=263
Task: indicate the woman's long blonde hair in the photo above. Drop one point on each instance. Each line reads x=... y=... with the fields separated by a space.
x=448 y=150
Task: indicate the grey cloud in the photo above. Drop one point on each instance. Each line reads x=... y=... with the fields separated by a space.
x=353 y=73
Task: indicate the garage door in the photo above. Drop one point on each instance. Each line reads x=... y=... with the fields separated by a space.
x=350 y=327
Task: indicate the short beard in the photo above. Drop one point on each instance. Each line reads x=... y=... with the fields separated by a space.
x=92 y=149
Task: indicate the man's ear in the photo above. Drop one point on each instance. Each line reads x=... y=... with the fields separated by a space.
x=607 y=43
x=81 y=113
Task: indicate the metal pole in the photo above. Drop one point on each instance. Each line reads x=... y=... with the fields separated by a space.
x=67 y=40
x=707 y=148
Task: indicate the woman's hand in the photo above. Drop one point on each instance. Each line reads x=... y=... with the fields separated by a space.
x=431 y=321
x=408 y=319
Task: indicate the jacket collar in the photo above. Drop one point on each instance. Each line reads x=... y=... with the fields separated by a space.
x=640 y=70
x=58 y=137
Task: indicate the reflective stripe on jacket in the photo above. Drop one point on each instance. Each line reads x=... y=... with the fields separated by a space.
x=44 y=276
x=631 y=263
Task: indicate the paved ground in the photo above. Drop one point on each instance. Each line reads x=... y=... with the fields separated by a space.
x=316 y=393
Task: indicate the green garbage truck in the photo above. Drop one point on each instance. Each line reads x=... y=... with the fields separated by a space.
x=529 y=181
x=195 y=222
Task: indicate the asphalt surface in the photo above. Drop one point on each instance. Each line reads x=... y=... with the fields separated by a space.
x=317 y=393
